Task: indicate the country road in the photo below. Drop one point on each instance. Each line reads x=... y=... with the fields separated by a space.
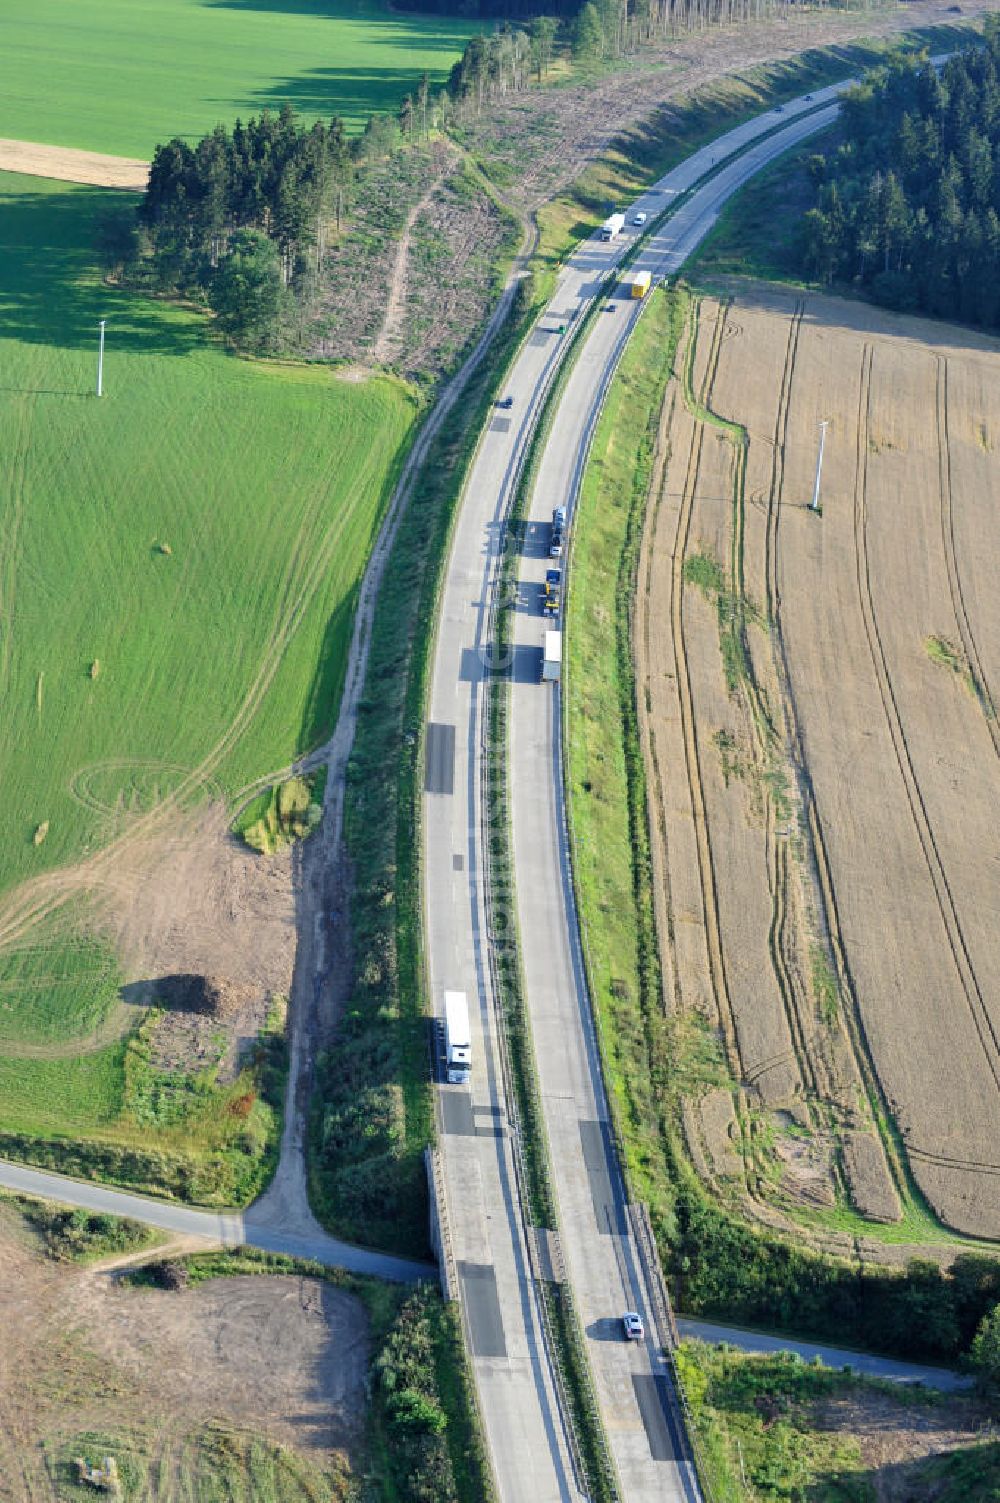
x=230 y=1228
x=907 y=1373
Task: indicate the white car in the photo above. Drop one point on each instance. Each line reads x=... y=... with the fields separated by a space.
x=632 y=1323
x=639 y=218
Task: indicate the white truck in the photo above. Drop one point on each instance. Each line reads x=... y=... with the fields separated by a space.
x=552 y=657
x=458 y=1041
x=612 y=227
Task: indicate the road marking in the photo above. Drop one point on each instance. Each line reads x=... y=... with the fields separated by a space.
x=653 y=1398
x=456 y=1113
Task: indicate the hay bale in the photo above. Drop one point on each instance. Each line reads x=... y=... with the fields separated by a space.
x=95 y=667
x=41 y=831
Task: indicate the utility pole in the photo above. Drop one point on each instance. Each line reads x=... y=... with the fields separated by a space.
x=825 y=423
x=100 y=362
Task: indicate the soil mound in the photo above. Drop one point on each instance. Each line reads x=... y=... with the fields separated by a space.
x=211 y=996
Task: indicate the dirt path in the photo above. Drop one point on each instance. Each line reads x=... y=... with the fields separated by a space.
x=386 y=345
x=321 y=871
x=71 y=166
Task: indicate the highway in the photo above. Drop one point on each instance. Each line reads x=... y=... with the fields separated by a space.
x=489 y=1231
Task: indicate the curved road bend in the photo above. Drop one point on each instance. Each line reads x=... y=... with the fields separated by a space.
x=633 y=1386
x=488 y=1231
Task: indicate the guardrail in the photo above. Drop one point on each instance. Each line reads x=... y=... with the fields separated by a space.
x=440 y=1227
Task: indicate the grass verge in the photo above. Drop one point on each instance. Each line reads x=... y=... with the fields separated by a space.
x=759 y=232
x=610 y=839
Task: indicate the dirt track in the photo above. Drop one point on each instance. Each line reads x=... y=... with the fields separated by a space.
x=833 y=805
x=71 y=166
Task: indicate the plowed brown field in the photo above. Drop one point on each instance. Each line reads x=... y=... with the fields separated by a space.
x=817 y=699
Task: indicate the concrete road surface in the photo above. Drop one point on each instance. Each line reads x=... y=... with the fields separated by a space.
x=831 y=1356
x=633 y=1386
x=524 y=1425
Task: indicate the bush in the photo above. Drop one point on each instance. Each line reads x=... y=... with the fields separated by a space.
x=78 y=1235
x=406 y=1375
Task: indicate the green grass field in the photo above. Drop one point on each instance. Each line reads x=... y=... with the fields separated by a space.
x=199 y=535
x=120 y=75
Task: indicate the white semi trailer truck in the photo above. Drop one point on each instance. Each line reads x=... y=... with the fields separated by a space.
x=458 y=1041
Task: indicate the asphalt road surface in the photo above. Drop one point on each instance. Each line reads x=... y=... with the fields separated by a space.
x=911 y=1373
x=231 y=1228
x=524 y=1424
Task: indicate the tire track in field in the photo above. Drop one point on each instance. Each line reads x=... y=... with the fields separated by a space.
x=815 y=840
x=765 y=732
x=10 y=535
x=682 y=671
x=776 y=849
x=969 y=643
x=41 y=896
x=939 y=880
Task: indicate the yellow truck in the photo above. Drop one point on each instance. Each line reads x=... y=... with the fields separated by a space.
x=638 y=283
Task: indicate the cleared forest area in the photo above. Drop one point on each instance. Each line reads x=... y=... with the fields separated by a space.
x=817 y=701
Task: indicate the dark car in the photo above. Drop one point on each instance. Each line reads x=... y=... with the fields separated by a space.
x=506 y=403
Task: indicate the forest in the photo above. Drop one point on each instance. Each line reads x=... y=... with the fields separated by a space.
x=908 y=206
x=240 y=219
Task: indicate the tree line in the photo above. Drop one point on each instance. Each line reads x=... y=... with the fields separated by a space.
x=908 y=206
x=522 y=49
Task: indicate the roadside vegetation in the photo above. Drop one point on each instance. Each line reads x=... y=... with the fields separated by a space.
x=373 y=1109
x=773 y=1428
x=760 y=232
x=72 y=1235
x=422 y=1442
